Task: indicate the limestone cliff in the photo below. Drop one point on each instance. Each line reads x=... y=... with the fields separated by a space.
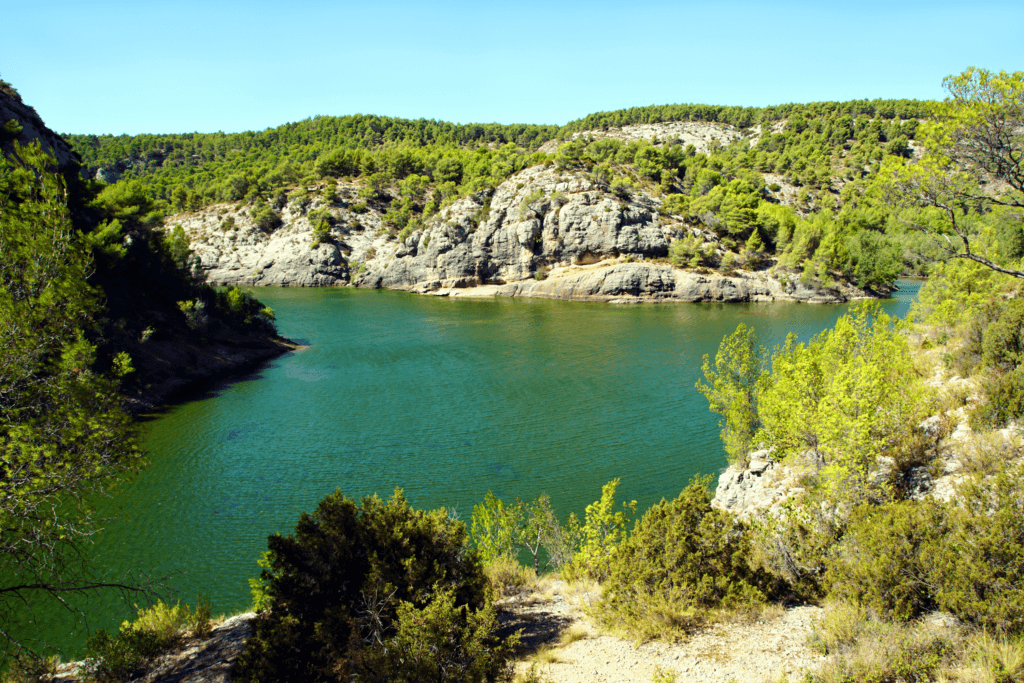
x=534 y=236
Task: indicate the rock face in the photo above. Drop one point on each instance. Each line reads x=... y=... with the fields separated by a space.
x=32 y=129
x=759 y=487
x=535 y=237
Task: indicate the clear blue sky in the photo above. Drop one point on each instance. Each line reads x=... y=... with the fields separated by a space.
x=171 y=67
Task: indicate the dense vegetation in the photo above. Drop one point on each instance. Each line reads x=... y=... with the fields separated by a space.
x=82 y=278
x=375 y=592
x=828 y=226
x=63 y=434
x=384 y=592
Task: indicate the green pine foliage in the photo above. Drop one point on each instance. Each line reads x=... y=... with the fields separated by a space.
x=375 y=590
x=682 y=559
x=732 y=389
x=849 y=396
x=63 y=434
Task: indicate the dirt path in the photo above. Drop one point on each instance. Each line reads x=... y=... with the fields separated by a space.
x=564 y=646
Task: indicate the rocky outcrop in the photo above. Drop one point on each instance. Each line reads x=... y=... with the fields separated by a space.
x=535 y=236
x=757 y=488
x=32 y=129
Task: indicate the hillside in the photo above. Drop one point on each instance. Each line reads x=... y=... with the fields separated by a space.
x=544 y=232
x=752 y=202
x=142 y=279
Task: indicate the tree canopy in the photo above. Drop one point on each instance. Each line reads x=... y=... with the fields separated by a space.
x=63 y=434
x=970 y=183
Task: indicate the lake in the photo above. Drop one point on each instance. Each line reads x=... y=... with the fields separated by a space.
x=446 y=398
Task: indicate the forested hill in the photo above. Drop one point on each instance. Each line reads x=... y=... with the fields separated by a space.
x=791 y=180
x=747 y=117
x=128 y=297
x=191 y=170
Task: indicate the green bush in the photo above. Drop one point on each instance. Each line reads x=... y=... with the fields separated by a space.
x=996 y=340
x=963 y=557
x=683 y=558
x=115 y=658
x=977 y=567
x=264 y=217
x=794 y=546
x=1002 y=399
x=622 y=188
x=441 y=642
x=506 y=577
x=865 y=649
x=359 y=584
x=883 y=561
x=599 y=538
x=502 y=530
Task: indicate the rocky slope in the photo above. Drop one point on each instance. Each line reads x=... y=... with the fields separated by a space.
x=32 y=129
x=760 y=485
x=530 y=238
x=170 y=359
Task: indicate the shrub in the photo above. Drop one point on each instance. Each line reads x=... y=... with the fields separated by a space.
x=441 y=641
x=195 y=313
x=882 y=562
x=29 y=668
x=115 y=658
x=977 y=567
x=244 y=307
x=866 y=649
x=495 y=527
x=501 y=531
x=794 y=546
x=622 y=188
x=358 y=585
x=321 y=233
x=527 y=208
x=601 y=534
x=264 y=218
x=507 y=577
x=682 y=559
x=963 y=557
x=1002 y=399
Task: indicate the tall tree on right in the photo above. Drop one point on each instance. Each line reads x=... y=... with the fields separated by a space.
x=969 y=183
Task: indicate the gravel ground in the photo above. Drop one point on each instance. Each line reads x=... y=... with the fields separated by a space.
x=763 y=650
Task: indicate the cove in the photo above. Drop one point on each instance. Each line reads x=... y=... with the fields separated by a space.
x=445 y=398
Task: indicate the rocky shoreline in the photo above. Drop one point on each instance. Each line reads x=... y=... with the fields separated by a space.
x=177 y=368
x=544 y=232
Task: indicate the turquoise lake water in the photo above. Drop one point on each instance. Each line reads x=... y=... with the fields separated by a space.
x=446 y=398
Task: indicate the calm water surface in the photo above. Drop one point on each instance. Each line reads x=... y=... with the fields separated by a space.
x=444 y=398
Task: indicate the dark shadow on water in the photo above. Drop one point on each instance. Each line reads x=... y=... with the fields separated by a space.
x=208 y=388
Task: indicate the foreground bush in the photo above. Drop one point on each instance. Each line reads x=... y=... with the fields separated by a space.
x=156 y=630
x=374 y=592
x=885 y=560
x=866 y=649
x=964 y=557
x=682 y=559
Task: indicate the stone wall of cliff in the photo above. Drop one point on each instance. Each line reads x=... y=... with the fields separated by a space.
x=532 y=237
